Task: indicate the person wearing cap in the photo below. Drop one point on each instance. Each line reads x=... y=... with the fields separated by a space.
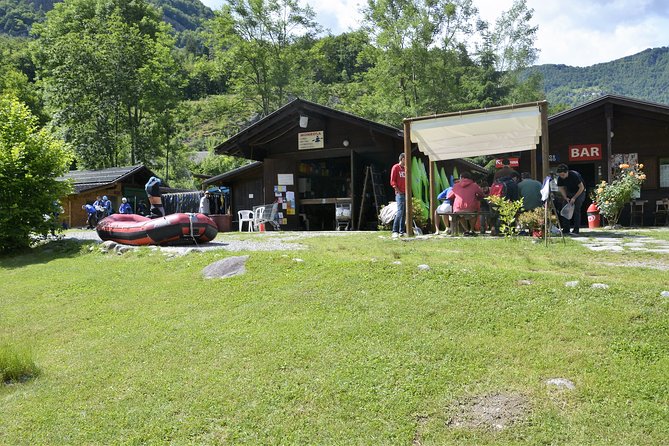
x=572 y=188
x=204 y=204
x=398 y=183
x=107 y=205
x=125 y=207
x=91 y=215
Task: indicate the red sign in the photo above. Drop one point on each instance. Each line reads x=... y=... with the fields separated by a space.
x=585 y=152
x=513 y=162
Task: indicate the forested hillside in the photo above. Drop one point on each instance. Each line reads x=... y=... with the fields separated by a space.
x=17 y=16
x=642 y=76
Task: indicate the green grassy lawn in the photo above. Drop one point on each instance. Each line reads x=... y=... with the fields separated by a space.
x=346 y=347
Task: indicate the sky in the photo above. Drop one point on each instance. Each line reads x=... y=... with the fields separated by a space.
x=571 y=32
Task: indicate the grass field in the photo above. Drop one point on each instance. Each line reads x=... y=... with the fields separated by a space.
x=353 y=346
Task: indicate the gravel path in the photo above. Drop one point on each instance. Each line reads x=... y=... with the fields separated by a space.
x=230 y=241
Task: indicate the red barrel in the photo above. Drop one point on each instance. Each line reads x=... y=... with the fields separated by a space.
x=593 y=216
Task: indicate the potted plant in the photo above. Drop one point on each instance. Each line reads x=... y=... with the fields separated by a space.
x=533 y=221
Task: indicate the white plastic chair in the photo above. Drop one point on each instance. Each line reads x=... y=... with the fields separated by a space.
x=258 y=217
x=245 y=216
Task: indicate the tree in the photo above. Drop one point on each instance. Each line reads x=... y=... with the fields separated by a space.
x=30 y=162
x=108 y=69
x=253 y=40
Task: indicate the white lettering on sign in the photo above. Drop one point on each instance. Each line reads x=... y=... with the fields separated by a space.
x=588 y=152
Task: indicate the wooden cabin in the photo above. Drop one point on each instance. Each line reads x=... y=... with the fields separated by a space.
x=115 y=183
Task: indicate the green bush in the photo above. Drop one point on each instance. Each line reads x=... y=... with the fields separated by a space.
x=16 y=364
x=30 y=161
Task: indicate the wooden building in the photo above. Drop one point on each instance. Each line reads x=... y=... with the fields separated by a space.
x=115 y=183
x=311 y=158
x=595 y=137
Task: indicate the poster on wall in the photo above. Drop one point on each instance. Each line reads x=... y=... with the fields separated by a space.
x=310 y=140
x=623 y=158
x=285 y=179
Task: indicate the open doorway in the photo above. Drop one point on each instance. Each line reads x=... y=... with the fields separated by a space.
x=322 y=184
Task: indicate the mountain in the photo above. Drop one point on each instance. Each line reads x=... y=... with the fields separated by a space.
x=644 y=75
x=17 y=16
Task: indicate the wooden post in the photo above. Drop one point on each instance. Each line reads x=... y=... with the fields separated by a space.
x=533 y=167
x=433 y=195
x=407 y=164
x=545 y=142
x=608 y=111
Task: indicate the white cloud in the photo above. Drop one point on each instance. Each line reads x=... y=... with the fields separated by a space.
x=571 y=32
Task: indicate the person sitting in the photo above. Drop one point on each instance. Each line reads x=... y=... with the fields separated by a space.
x=125 y=207
x=445 y=207
x=530 y=191
x=466 y=196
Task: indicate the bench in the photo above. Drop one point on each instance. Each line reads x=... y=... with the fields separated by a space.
x=455 y=218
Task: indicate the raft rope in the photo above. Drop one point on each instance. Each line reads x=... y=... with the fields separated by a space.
x=191 y=217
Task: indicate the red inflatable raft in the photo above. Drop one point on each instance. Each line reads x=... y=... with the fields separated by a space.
x=132 y=229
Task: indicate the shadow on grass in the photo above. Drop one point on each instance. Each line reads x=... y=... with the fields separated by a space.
x=45 y=252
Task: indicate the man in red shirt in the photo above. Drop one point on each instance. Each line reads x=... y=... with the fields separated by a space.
x=398 y=182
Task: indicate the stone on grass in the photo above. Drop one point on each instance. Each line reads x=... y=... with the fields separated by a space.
x=572 y=284
x=397 y=262
x=561 y=383
x=423 y=267
x=122 y=249
x=664 y=294
x=524 y=282
x=107 y=246
x=297 y=260
x=601 y=286
x=228 y=267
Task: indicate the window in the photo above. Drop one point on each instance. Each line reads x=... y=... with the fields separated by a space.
x=664 y=172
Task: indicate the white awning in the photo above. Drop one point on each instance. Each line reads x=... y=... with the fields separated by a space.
x=484 y=133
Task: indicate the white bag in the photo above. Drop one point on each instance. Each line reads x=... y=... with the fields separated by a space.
x=388 y=213
x=444 y=208
x=567 y=211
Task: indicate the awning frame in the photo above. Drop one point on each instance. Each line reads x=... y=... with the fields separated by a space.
x=543 y=107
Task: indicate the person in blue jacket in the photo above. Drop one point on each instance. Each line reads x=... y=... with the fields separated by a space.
x=152 y=189
x=125 y=207
x=92 y=215
x=445 y=207
x=107 y=204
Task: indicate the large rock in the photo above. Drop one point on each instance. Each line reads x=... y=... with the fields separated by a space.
x=229 y=267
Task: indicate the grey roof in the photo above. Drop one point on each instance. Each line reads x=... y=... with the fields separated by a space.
x=92 y=179
x=232 y=173
x=611 y=99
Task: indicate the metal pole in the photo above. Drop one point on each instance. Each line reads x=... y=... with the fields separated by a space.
x=407 y=166
x=433 y=198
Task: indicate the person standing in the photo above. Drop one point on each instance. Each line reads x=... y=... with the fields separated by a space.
x=530 y=191
x=572 y=188
x=107 y=205
x=204 y=204
x=398 y=183
x=505 y=171
x=125 y=207
x=152 y=189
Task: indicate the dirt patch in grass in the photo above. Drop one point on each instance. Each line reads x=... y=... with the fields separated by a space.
x=495 y=411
